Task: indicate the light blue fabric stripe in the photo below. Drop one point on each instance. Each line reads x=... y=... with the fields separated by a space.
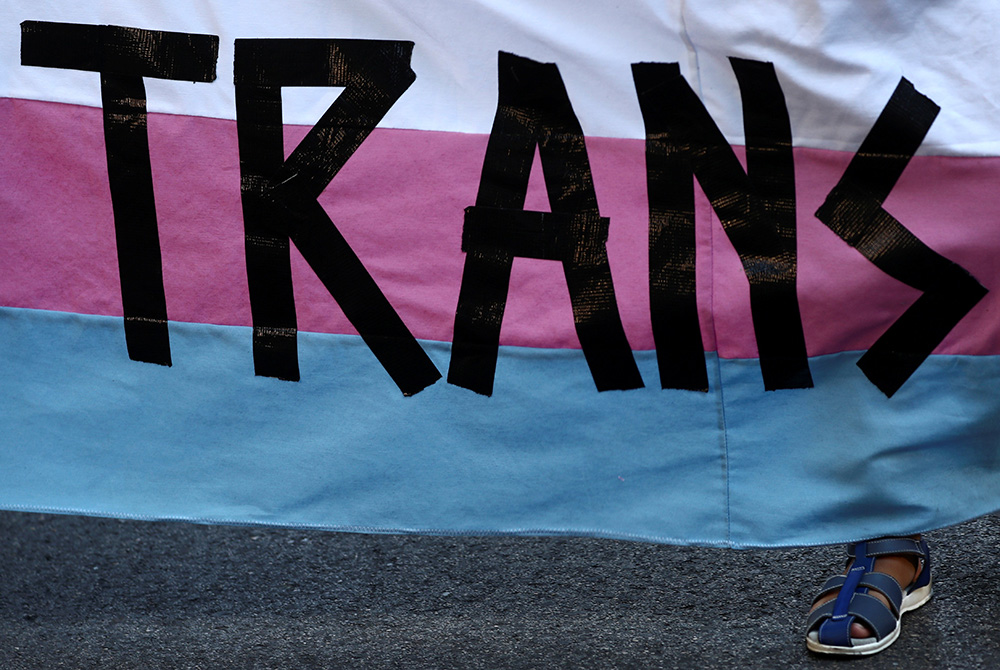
x=86 y=430
x=841 y=460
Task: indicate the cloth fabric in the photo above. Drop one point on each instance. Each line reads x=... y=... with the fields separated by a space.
x=86 y=429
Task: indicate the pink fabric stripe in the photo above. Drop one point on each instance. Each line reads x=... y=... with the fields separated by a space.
x=399 y=201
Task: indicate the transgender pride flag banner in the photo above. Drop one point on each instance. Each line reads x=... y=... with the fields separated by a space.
x=688 y=272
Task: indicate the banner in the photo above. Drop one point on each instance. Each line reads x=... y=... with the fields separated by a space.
x=678 y=272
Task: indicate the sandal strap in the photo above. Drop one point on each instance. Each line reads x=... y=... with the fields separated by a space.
x=887 y=546
x=887 y=586
x=835 y=629
x=831 y=630
x=898 y=546
x=874 y=613
x=883 y=583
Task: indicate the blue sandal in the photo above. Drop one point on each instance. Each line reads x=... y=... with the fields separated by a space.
x=829 y=626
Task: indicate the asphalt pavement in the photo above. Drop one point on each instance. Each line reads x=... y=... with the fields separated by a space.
x=80 y=592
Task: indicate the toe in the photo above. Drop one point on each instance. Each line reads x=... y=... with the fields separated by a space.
x=859 y=631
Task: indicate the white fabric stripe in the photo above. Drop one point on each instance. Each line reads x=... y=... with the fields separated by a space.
x=838 y=61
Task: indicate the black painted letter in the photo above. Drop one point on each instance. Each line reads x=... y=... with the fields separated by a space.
x=853 y=210
x=756 y=209
x=279 y=196
x=534 y=109
x=123 y=56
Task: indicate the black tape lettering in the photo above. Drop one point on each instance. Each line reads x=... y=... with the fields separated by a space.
x=279 y=196
x=680 y=351
x=534 y=109
x=756 y=209
x=123 y=56
x=854 y=211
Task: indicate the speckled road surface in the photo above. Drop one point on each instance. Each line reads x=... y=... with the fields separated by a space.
x=97 y=593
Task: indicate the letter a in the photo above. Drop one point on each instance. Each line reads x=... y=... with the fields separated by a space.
x=534 y=109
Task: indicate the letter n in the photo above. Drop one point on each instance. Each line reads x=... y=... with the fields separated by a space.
x=756 y=209
x=534 y=110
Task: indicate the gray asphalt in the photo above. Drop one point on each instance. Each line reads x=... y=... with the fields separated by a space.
x=79 y=592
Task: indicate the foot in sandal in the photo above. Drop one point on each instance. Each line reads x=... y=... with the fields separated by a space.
x=859 y=612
